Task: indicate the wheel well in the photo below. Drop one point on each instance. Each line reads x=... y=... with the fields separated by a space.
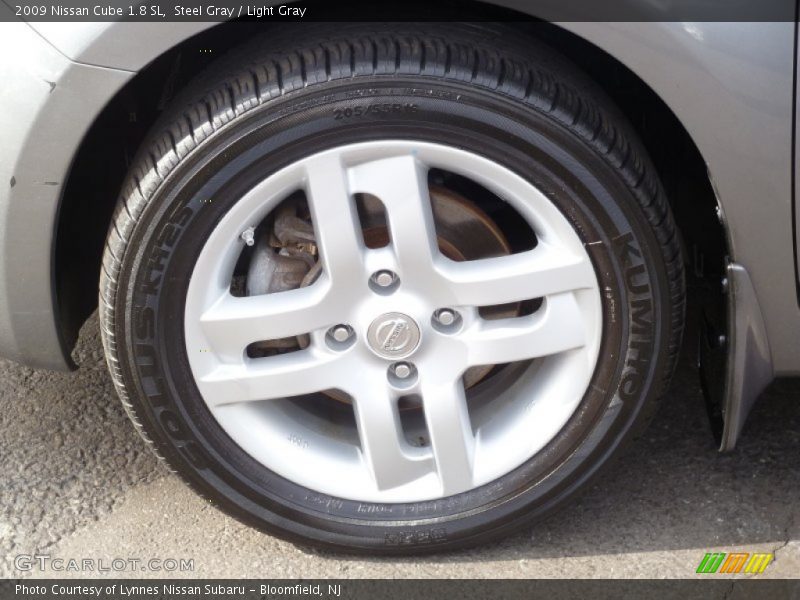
x=108 y=148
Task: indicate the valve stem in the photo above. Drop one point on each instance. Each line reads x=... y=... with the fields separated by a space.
x=248 y=235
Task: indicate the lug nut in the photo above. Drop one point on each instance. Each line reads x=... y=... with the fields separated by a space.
x=383 y=278
x=446 y=317
x=402 y=370
x=340 y=333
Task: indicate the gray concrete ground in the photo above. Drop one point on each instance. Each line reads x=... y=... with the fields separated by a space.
x=79 y=483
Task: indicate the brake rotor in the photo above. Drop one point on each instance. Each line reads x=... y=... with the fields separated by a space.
x=463 y=231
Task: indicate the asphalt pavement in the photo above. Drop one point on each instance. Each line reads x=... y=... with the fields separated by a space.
x=79 y=483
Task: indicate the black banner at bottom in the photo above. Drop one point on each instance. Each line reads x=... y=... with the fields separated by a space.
x=405 y=589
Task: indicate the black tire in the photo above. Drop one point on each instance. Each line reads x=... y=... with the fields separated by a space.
x=479 y=88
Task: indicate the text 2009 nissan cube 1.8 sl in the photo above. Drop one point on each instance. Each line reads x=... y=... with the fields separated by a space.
x=400 y=287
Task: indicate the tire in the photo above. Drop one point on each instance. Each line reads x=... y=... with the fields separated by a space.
x=275 y=102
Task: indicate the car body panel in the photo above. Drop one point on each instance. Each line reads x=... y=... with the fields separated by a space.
x=796 y=199
x=118 y=45
x=730 y=84
x=48 y=103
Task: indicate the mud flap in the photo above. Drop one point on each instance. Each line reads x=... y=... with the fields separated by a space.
x=734 y=356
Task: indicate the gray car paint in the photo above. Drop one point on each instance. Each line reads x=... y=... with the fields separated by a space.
x=730 y=84
x=749 y=365
x=48 y=103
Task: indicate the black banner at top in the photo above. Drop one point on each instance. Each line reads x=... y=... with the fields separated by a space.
x=399 y=10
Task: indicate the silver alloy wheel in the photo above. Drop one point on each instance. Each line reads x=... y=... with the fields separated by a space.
x=508 y=420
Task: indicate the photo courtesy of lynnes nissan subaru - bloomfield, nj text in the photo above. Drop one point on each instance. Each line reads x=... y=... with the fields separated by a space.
x=400 y=287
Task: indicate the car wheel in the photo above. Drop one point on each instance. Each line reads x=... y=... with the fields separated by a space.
x=391 y=289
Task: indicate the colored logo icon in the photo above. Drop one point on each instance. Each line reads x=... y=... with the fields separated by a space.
x=734 y=562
